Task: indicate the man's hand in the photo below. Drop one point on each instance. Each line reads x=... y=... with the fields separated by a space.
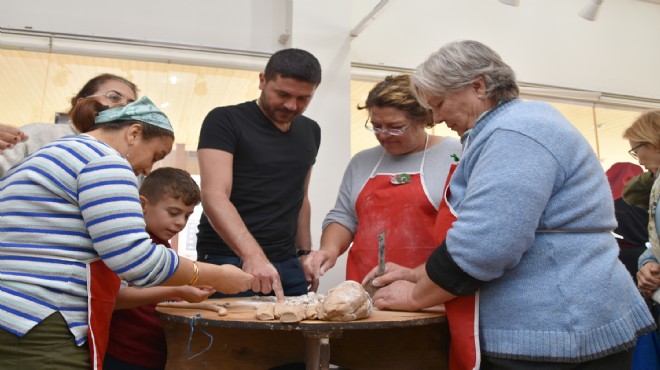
x=266 y=277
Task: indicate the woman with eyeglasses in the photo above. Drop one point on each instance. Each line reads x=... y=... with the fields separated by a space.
x=644 y=138
x=393 y=188
x=108 y=89
x=528 y=271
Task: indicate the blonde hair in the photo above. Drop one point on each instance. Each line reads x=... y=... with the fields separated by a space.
x=395 y=92
x=645 y=129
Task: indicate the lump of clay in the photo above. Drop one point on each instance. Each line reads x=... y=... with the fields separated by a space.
x=347 y=301
x=294 y=309
x=266 y=311
x=312 y=311
x=292 y=313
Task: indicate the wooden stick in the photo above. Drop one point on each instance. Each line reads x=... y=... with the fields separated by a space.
x=191 y=306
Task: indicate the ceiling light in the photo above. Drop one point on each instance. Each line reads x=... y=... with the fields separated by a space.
x=510 y=2
x=590 y=12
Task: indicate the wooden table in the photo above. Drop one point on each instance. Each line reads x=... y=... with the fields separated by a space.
x=385 y=340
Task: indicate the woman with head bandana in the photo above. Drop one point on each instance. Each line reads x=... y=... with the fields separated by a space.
x=71 y=221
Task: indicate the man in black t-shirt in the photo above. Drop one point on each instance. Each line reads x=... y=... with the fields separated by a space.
x=255 y=162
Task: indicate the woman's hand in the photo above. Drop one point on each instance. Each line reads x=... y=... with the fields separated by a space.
x=230 y=279
x=393 y=272
x=648 y=278
x=396 y=296
x=315 y=265
x=10 y=136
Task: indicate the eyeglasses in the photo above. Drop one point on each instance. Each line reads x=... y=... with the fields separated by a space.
x=633 y=150
x=114 y=97
x=389 y=131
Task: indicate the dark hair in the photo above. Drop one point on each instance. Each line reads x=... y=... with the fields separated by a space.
x=84 y=113
x=170 y=181
x=395 y=92
x=294 y=63
x=92 y=87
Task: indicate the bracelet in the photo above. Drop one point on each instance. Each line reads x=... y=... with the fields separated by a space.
x=193 y=281
x=303 y=252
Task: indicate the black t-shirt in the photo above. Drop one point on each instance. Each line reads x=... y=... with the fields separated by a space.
x=269 y=171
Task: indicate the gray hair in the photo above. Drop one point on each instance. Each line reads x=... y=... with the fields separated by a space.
x=458 y=64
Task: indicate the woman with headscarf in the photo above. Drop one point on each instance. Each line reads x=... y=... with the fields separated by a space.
x=71 y=221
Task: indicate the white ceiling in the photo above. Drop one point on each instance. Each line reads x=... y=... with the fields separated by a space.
x=545 y=41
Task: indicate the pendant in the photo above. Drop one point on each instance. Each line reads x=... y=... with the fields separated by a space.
x=400 y=179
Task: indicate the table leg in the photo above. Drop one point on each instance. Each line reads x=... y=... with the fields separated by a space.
x=317 y=349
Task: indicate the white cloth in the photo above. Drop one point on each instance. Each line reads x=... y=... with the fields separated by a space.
x=39 y=134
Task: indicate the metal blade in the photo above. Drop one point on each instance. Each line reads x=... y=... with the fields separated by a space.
x=381 y=253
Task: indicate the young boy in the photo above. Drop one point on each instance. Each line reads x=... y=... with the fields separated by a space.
x=137 y=340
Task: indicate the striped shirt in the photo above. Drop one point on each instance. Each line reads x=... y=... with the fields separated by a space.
x=69 y=204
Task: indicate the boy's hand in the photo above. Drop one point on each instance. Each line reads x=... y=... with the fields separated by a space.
x=195 y=294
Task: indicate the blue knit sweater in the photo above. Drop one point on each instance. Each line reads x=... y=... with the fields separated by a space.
x=547 y=296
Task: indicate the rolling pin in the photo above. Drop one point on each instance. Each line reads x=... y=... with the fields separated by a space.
x=191 y=306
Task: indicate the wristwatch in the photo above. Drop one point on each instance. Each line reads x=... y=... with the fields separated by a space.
x=303 y=252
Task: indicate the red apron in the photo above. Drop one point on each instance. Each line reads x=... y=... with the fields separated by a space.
x=406 y=214
x=102 y=288
x=462 y=312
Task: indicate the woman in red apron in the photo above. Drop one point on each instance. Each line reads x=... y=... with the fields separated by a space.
x=403 y=211
x=462 y=312
x=389 y=189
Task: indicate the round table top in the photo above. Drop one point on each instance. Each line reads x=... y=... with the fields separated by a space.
x=241 y=313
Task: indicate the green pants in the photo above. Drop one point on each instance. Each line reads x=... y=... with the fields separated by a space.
x=48 y=346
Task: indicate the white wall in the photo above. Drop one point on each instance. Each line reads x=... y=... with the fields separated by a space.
x=320 y=27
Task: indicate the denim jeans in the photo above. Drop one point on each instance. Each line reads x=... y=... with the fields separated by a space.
x=291 y=275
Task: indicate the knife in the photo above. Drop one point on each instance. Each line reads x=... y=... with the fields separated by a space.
x=381 y=253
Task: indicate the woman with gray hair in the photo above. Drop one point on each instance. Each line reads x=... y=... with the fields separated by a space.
x=531 y=242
